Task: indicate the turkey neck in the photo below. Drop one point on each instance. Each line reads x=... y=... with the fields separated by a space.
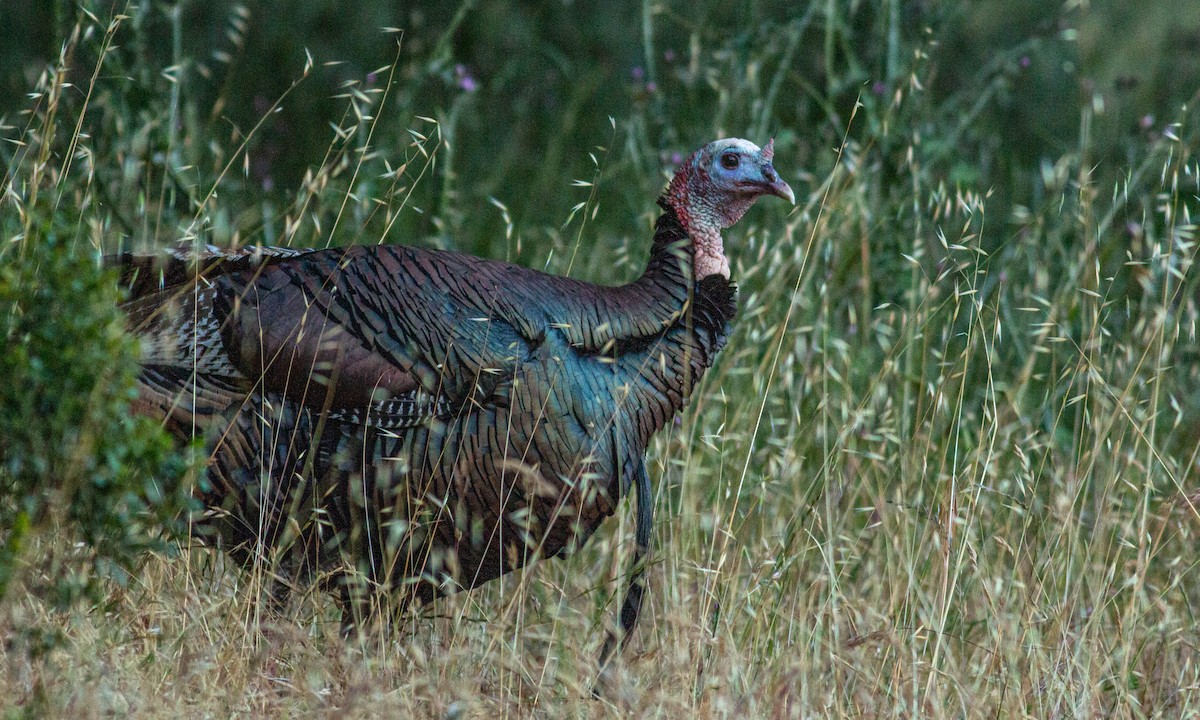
x=665 y=328
x=681 y=300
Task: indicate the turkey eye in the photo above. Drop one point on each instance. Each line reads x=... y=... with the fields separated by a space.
x=729 y=161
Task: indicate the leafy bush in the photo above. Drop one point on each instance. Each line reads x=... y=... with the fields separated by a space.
x=72 y=457
x=80 y=476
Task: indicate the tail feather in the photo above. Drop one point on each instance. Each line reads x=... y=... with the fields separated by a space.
x=179 y=328
x=189 y=403
x=171 y=301
x=145 y=274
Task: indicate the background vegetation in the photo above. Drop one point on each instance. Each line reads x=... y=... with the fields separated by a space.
x=945 y=468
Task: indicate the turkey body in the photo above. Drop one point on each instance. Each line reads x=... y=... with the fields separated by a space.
x=410 y=422
x=422 y=420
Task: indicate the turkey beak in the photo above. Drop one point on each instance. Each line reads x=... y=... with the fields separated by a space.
x=780 y=189
x=774 y=185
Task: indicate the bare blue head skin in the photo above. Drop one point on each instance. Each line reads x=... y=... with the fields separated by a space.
x=715 y=187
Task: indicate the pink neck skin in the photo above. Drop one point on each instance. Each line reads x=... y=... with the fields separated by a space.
x=703 y=216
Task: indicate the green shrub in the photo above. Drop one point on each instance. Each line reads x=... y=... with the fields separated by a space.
x=85 y=487
x=73 y=460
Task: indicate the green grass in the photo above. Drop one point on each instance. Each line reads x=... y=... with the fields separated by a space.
x=942 y=469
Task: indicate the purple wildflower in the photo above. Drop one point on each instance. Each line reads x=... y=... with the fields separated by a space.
x=464 y=79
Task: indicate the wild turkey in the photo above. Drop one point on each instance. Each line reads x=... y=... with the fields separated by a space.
x=426 y=420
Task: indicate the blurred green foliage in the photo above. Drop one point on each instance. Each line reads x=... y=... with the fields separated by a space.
x=524 y=90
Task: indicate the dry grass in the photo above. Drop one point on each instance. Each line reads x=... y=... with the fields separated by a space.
x=933 y=475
